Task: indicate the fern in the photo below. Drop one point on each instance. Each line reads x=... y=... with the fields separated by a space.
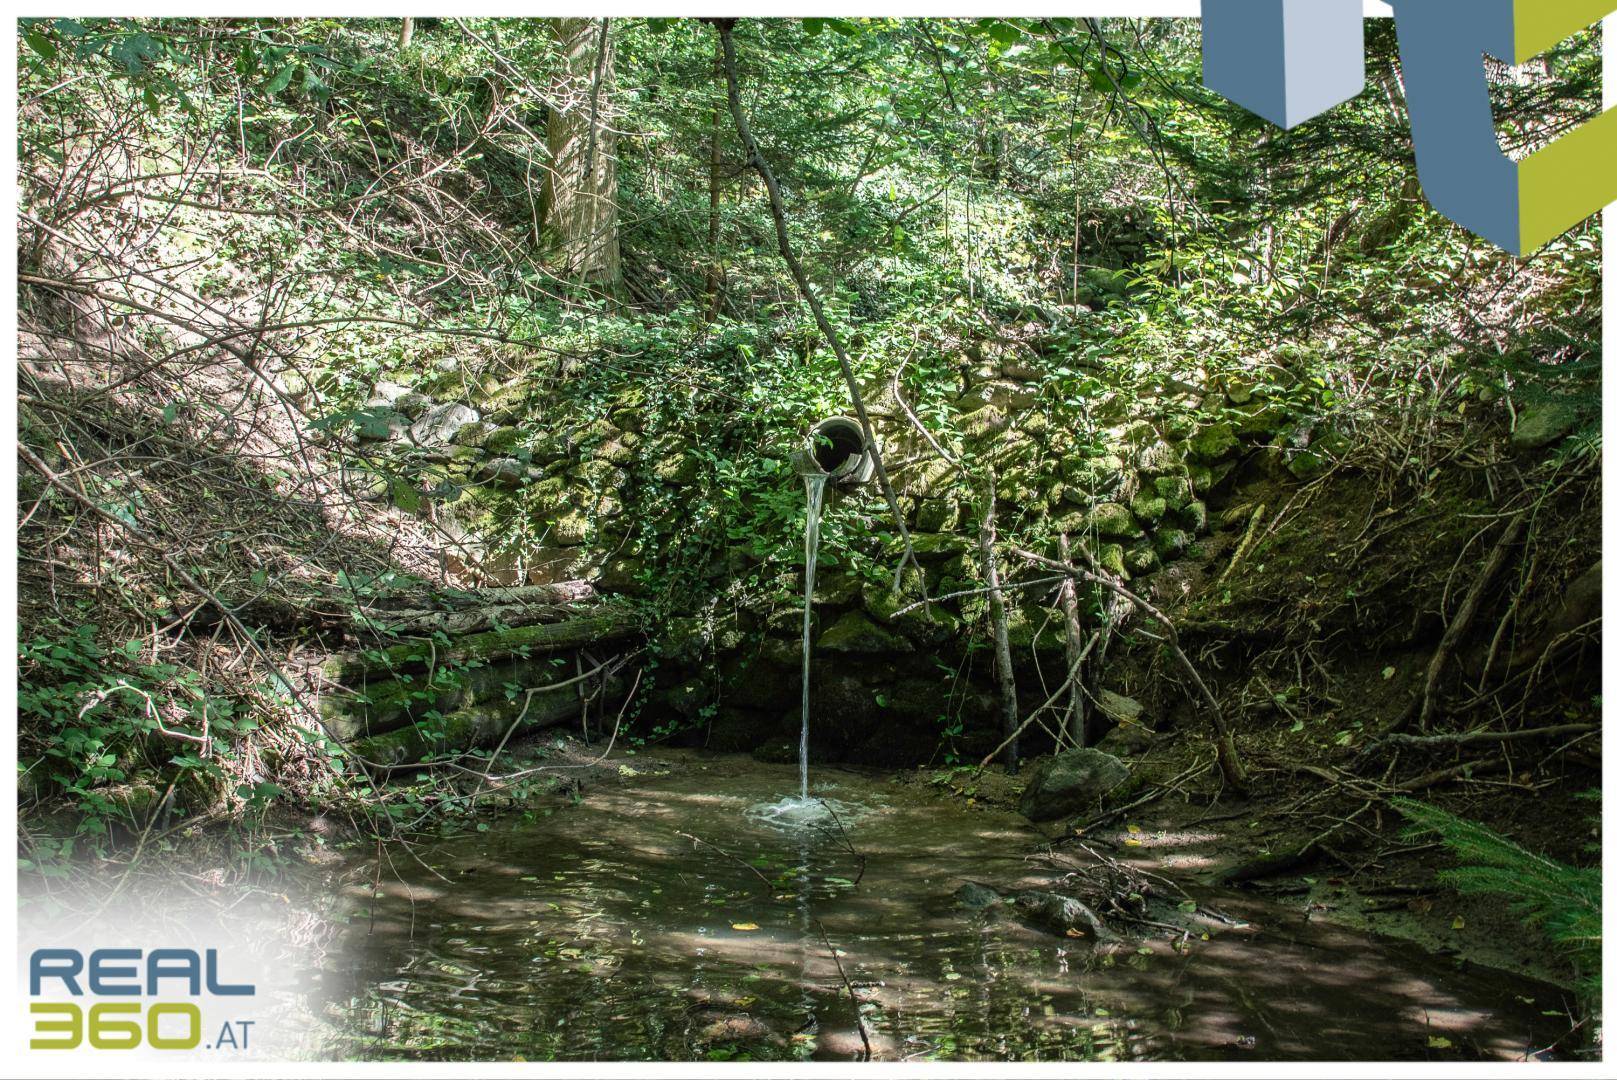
x=1564 y=900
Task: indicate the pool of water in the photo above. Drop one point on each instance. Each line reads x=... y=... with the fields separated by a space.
x=668 y=918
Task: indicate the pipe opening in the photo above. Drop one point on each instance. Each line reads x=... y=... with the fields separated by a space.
x=837 y=442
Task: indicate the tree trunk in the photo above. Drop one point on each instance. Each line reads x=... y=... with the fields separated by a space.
x=580 y=205
x=1002 y=636
x=406 y=33
x=715 y=161
x=1077 y=719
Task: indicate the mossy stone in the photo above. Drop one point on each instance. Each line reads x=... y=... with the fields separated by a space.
x=1113 y=521
x=853 y=632
x=937 y=515
x=1110 y=557
x=1174 y=490
x=1141 y=559
x=1170 y=543
x=1149 y=507
x=570 y=530
x=1157 y=458
x=1542 y=424
x=1213 y=442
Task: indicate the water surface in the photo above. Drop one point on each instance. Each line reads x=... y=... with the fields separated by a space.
x=665 y=918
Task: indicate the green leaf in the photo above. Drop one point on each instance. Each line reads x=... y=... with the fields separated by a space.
x=40 y=44
x=281 y=80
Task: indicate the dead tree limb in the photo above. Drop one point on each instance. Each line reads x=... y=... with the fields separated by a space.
x=1425 y=705
x=777 y=210
x=1229 y=760
x=1470 y=738
x=1076 y=721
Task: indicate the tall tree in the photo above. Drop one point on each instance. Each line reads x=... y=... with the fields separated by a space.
x=580 y=205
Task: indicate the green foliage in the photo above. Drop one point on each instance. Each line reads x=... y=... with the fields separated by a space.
x=1564 y=900
x=94 y=715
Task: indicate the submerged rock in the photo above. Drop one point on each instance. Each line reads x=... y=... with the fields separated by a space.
x=1071 y=781
x=1058 y=914
x=975 y=897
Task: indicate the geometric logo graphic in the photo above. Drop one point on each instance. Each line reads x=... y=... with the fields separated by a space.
x=1290 y=60
x=1286 y=60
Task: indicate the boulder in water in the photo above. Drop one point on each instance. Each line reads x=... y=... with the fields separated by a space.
x=975 y=897
x=1071 y=781
x=1057 y=914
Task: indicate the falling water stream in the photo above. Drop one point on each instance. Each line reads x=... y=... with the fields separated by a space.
x=814 y=484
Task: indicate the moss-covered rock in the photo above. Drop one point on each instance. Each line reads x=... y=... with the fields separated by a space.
x=935 y=547
x=837 y=588
x=1261 y=419
x=619 y=450
x=1159 y=458
x=569 y=530
x=1307 y=465
x=677 y=466
x=1069 y=782
x=549 y=495
x=1213 y=442
x=1149 y=507
x=1110 y=557
x=1173 y=490
x=1170 y=543
x=1113 y=521
x=931 y=477
x=502 y=472
x=1141 y=559
x=1542 y=424
x=480 y=725
x=610 y=622
x=1193 y=516
x=623 y=574
x=853 y=632
x=1041 y=630
x=930 y=624
x=937 y=515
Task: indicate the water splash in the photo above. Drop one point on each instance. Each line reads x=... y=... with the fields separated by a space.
x=814 y=484
x=793 y=813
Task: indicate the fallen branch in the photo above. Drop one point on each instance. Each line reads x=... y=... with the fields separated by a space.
x=1425 y=705
x=1467 y=738
x=858 y=1018
x=1229 y=760
x=768 y=885
x=1246 y=542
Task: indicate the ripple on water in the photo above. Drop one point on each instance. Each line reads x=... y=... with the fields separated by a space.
x=795 y=812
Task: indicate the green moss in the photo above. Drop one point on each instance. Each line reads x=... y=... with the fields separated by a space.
x=1213 y=442
x=1113 y=521
x=854 y=633
x=1149 y=507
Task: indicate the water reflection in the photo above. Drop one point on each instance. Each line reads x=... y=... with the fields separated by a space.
x=665 y=922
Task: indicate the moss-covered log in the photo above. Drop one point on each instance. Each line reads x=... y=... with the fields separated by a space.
x=388 y=703
x=358 y=669
x=477 y=726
